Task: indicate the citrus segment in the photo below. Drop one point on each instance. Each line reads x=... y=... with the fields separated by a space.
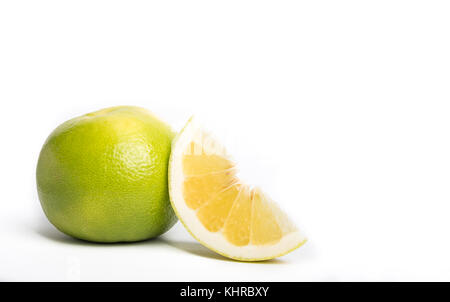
x=283 y=221
x=213 y=214
x=200 y=189
x=265 y=227
x=237 y=226
x=218 y=209
x=194 y=165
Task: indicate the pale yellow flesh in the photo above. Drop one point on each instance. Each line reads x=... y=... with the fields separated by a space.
x=244 y=216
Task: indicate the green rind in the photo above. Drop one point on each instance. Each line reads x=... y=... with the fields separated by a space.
x=102 y=177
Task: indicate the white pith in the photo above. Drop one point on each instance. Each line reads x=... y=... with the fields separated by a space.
x=216 y=241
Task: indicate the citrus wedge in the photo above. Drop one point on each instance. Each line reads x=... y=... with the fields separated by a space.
x=218 y=209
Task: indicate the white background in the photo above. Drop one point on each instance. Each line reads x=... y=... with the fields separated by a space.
x=340 y=109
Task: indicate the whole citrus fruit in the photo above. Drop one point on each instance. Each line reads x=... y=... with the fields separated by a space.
x=103 y=176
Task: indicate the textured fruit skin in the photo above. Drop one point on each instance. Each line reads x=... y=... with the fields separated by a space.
x=103 y=176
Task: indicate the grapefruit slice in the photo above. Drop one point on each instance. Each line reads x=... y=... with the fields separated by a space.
x=218 y=209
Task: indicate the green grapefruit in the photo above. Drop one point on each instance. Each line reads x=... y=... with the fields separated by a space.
x=103 y=176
